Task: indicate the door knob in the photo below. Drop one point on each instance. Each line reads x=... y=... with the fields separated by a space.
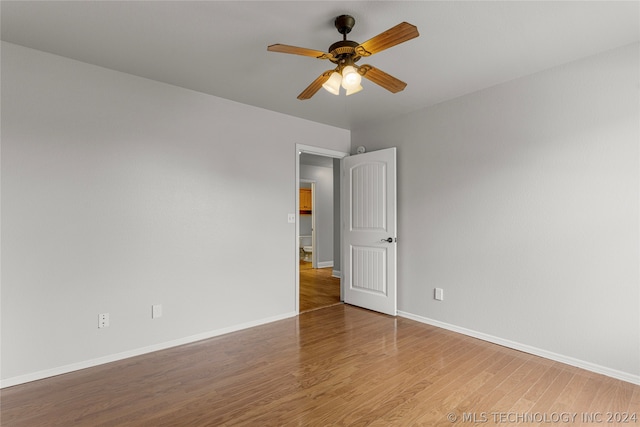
x=389 y=240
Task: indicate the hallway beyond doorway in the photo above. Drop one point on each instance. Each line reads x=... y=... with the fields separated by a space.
x=318 y=288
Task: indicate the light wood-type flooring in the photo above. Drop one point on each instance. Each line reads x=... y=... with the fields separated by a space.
x=317 y=287
x=339 y=365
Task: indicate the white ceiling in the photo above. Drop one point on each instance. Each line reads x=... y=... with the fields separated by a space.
x=220 y=47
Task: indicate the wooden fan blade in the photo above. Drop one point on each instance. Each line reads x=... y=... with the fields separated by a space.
x=393 y=36
x=315 y=86
x=381 y=78
x=283 y=48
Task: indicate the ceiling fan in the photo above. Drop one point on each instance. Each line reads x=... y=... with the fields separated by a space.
x=346 y=53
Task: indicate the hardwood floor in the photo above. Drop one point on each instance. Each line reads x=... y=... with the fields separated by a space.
x=339 y=365
x=317 y=287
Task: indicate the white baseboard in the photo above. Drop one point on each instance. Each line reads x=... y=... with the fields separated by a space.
x=613 y=373
x=336 y=273
x=21 y=379
x=325 y=264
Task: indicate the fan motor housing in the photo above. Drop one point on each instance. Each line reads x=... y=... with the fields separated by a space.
x=344 y=48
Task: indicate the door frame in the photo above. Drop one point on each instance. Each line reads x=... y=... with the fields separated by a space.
x=318 y=151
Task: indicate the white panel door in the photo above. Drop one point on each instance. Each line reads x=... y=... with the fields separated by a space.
x=369 y=230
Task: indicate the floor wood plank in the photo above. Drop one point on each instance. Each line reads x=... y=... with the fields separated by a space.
x=339 y=365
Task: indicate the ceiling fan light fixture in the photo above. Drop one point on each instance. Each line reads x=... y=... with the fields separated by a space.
x=350 y=78
x=345 y=53
x=351 y=91
x=333 y=84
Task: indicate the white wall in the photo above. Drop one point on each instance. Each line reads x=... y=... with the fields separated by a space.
x=322 y=210
x=521 y=201
x=120 y=192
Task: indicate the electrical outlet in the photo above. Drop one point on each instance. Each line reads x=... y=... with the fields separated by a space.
x=103 y=320
x=156 y=311
x=439 y=294
x=291 y=218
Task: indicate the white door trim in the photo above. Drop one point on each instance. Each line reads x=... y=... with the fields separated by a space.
x=319 y=151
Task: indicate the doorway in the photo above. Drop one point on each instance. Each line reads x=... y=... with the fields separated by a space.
x=318 y=282
x=306 y=224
